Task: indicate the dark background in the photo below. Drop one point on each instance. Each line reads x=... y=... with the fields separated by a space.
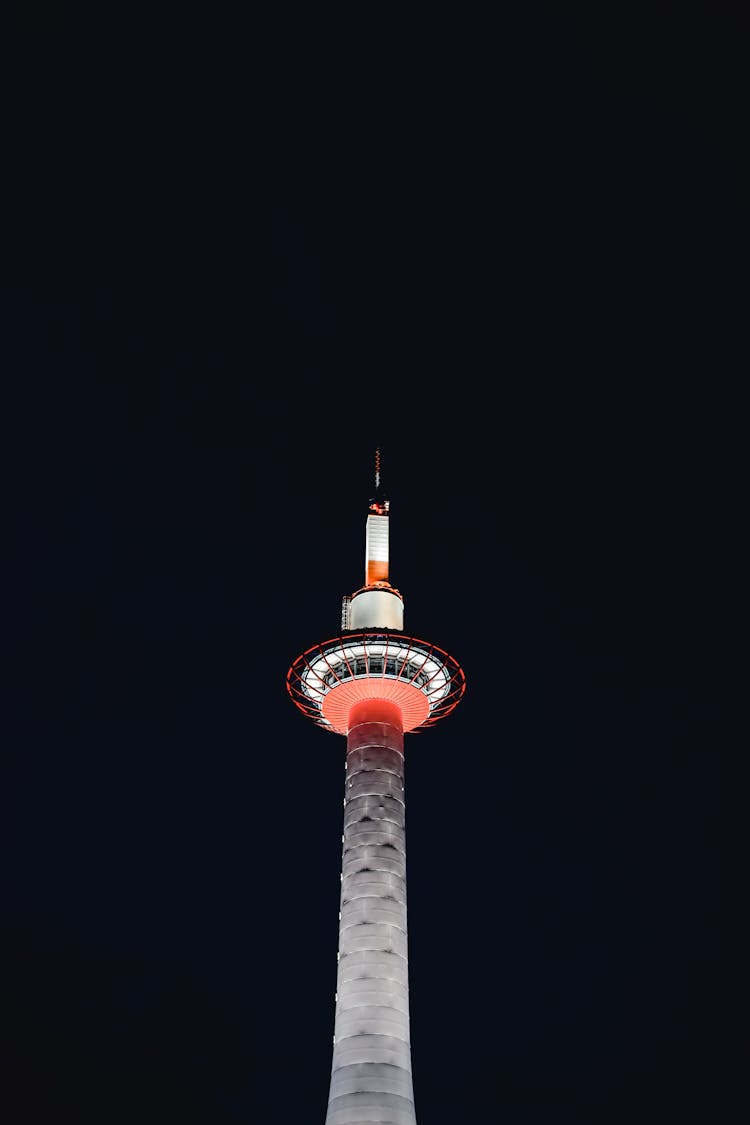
x=514 y=260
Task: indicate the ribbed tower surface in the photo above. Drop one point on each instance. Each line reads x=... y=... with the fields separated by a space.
x=371 y=1079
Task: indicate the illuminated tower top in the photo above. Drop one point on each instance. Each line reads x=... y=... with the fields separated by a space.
x=376 y=605
x=372 y=658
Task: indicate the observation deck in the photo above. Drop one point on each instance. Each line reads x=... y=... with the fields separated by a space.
x=329 y=678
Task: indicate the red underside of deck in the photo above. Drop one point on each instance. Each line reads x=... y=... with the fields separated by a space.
x=338 y=703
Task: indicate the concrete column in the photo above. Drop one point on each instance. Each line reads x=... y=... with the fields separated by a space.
x=371 y=1075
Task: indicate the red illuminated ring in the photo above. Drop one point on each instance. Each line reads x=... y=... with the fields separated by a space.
x=327 y=679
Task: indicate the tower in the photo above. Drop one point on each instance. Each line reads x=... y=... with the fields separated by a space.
x=373 y=684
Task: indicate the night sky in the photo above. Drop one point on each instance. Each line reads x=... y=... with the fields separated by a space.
x=521 y=281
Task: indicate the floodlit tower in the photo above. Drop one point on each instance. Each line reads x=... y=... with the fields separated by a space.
x=372 y=684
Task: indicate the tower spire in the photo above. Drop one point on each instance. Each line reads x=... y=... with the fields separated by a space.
x=376 y=545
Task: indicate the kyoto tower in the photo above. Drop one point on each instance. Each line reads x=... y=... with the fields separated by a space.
x=372 y=684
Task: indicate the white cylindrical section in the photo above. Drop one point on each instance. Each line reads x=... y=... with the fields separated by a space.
x=376 y=549
x=371 y=1079
x=376 y=609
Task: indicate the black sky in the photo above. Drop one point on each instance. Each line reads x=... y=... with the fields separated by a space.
x=519 y=272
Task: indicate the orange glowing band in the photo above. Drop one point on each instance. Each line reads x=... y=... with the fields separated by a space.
x=423 y=680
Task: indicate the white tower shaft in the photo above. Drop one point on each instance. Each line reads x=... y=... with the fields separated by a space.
x=371 y=1078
